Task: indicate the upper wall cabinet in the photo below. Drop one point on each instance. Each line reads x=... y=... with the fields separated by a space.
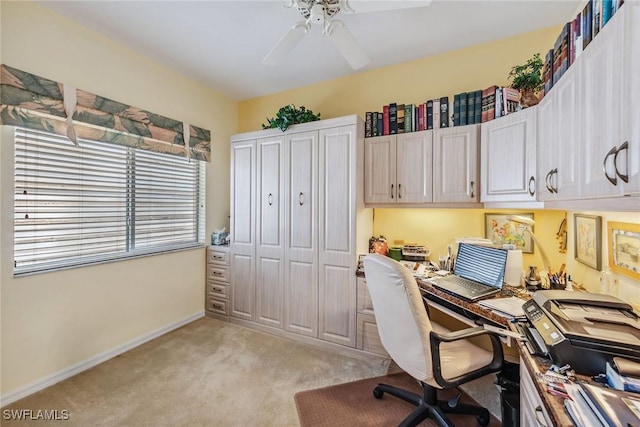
x=455 y=164
x=610 y=92
x=559 y=145
x=398 y=168
x=508 y=158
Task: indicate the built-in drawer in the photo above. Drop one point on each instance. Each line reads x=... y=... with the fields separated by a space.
x=217 y=272
x=217 y=289
x=217 y=255
x=365 y=305
x=367 y=337
x=218 y=306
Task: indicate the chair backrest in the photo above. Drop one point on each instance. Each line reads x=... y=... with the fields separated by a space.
x=403 y=323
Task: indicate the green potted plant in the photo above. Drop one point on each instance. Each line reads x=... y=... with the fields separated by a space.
x=527 y=78
x=290 y=115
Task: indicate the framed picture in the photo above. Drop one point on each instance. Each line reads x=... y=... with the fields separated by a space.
x=587 y=239
x=502 y=231
x=624 y=248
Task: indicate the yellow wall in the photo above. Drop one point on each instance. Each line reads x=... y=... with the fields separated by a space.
x=446 y=74
x=53 y=321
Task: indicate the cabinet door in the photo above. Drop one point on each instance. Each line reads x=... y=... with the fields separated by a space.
x=243 y=233
x=301 y=267
x=601 y=94
x=336 y=240
x=380 y=169
x=508 y=158
x=629 y=160
x=414 y=158
x=559 y=144
x=455 y=164
x=270 y=232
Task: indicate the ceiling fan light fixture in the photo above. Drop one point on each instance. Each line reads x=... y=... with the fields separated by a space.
x=317 y=14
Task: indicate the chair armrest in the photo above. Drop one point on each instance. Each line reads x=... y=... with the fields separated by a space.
x=496 y=361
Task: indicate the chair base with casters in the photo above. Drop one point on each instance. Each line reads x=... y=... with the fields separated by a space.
x=428 y=406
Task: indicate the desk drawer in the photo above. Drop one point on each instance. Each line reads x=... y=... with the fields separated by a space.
x=365 y=305
x=367 y=337
x=218 y=273
x=218 y=289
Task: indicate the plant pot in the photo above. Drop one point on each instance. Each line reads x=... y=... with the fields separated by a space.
x=528 y=98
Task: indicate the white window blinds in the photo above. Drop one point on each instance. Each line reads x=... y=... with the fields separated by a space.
x=78 y=205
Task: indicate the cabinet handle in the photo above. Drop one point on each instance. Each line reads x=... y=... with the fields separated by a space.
x=399 y=191
x=532 y=186
x=538 y=410
x=552 y=173
x=270 y=199
x=472 y=191
x=614 y=179
x=546 y=181
x=392 y=191
x=300 y=198
x=217 y=289
x=218 y=256
x=217 y=273
x=624 y=147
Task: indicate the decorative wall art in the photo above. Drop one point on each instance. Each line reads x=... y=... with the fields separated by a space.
x=587 y=238
x=624 y=248
x=502 y=231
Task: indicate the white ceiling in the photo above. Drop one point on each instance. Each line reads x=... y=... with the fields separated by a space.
x=222 y=43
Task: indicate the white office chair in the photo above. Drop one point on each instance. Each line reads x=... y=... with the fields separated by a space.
x=437 y=358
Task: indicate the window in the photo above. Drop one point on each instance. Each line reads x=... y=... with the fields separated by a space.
x=95 y=202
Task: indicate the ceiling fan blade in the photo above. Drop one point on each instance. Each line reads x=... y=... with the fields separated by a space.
x=347 y=45
x=361 y=6
x=286 y=44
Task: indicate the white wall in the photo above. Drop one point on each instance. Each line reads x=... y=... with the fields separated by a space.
x=54 y=321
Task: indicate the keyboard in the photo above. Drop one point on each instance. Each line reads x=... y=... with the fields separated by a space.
x=466 y=283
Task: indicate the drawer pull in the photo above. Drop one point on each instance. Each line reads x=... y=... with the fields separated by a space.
x=217 y=289
x=538 y=410
x=218 y=306
x=218 y=256
x=217 y=273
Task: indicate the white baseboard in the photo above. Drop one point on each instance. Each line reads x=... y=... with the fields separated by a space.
x=90 y=363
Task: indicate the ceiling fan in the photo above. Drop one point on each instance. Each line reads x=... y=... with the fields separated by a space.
x=322 y=13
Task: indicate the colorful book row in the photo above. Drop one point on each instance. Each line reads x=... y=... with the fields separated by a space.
x=466 y=108
x=574 y=38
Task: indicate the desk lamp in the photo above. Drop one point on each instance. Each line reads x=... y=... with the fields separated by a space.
x=528 y=222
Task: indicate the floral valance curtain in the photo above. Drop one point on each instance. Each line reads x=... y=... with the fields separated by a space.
x=34 y=102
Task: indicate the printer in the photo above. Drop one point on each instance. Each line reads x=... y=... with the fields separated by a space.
x=583 y=330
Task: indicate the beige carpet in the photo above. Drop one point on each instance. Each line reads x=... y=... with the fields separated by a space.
x=208 y=373
x=352 y=404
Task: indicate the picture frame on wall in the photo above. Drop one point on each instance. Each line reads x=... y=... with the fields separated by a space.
x=587 y=240
x=624 y=248
x=502 y=231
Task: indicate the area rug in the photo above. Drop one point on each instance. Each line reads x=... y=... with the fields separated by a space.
x=352 y=404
